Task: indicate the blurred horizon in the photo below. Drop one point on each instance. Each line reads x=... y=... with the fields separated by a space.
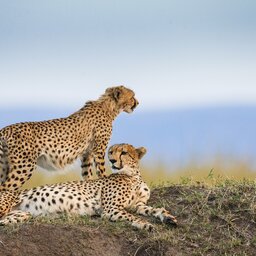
x=174 y=138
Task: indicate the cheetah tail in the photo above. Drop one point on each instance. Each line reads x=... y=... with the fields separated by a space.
x=4 y=165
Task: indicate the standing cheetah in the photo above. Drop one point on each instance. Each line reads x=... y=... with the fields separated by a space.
x=55 y=143
x=111 y=197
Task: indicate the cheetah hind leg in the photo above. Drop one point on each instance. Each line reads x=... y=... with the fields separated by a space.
x=7 y=200
x=16 y=216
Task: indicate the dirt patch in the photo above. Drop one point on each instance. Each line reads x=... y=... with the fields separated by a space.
x=47 y=239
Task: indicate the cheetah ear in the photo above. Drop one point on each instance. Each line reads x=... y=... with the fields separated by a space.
x=141 y=152
x=116 y=93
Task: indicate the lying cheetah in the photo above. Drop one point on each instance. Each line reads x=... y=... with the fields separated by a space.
x=110 y=197
x=56 y=143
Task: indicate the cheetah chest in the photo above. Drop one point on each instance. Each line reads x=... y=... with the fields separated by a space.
x=139 y=193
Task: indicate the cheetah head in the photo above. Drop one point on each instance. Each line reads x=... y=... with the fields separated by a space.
x=125 y=158
x=123 y=97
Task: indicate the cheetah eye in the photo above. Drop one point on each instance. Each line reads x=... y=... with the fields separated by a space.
x=110 y=152
x=124 y=153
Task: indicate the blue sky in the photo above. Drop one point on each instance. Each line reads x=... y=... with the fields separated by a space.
x=172 y=53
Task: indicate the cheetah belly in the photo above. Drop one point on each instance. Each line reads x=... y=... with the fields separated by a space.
x=46 y=162
x=48 y=200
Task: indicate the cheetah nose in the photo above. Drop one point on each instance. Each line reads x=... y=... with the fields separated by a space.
x=112 y=161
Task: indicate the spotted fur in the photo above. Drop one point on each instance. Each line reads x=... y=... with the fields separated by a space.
x=114 y=197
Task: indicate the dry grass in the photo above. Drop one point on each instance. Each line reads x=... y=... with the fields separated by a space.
x=158 y=174
x=215 y=220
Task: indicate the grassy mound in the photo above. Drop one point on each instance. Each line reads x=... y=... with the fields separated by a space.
x=213 y=220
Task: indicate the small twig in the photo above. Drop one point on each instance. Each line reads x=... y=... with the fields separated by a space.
x=137 y=250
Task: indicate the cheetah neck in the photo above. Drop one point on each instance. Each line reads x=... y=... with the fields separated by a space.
x=130 y=171
x=110 y=107
x=105 y=104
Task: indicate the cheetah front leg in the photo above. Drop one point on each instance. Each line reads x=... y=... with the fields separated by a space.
x=99 y=150
x=118 y=214
x=87 y=166
x=99 y=161
x=96 y=156
x=16 y=216
x=88 y=159
x=159 y=213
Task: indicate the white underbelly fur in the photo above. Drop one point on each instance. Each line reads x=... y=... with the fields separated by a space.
x=46 y=164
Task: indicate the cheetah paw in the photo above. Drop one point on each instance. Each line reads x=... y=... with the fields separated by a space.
x=143 y=225
x=170 y=221
x=149 y=227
